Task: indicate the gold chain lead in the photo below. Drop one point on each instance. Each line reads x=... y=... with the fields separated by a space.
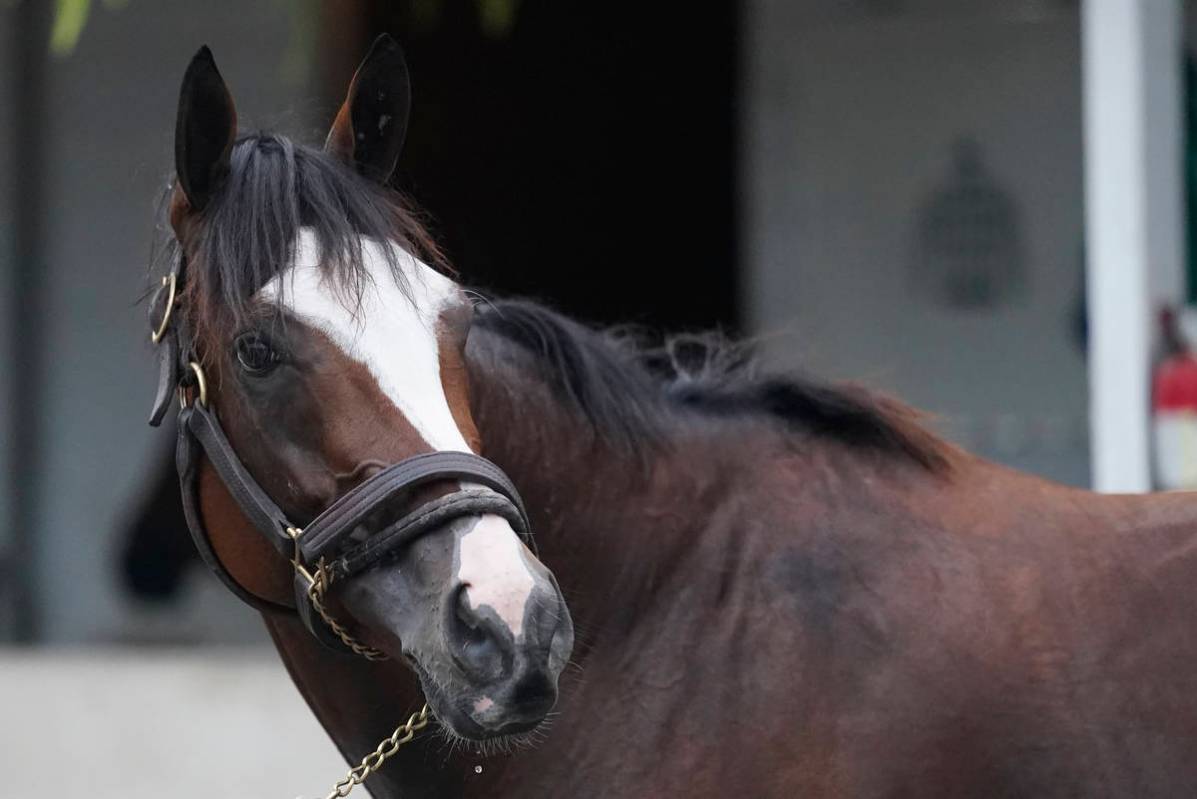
x=318 y=583
x=374 y=761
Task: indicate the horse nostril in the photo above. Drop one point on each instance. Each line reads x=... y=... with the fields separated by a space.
x=534 y=691
x=480 y=644
x=465 y=614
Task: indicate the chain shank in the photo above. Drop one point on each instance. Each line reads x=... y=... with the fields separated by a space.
x=320 y=582
x=375 y=760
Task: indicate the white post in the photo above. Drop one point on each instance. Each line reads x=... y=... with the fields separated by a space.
x=1133 y=219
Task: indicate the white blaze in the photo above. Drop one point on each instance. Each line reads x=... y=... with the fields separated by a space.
x=395 y=338
x=392 y=336
x=494 y=569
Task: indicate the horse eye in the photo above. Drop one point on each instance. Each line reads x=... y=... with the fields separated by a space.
x=255 y=354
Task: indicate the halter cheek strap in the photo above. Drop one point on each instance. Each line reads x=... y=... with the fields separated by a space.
x=187 y=461
x=337 y=544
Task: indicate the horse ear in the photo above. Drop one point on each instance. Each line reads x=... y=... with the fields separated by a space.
x=205 y=130
x=369 y=129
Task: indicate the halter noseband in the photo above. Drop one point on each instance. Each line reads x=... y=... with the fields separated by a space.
x=330 y=547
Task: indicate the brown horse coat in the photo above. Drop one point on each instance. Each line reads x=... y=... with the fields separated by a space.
x=780 y=588
x=764 y=614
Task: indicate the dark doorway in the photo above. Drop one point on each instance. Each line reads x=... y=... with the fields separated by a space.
x=583 y=154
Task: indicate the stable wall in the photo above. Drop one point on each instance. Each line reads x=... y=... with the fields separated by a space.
x=848 y=126
x=109 y=151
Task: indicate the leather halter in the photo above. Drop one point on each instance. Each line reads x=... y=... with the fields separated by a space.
x=336 y=542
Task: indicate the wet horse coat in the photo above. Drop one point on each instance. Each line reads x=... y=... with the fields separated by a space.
x=780 y=588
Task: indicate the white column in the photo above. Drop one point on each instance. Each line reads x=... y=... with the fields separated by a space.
x=1133 y=219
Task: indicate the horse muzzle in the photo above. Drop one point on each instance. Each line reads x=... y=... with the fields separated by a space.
x=511 y=663
x=481 y=620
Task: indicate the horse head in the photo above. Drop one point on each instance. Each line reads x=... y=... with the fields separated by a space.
x=332 y=349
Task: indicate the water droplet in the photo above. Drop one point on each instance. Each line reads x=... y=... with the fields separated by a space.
x=477 y=769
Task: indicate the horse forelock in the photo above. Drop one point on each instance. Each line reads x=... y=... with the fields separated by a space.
x=251 y=229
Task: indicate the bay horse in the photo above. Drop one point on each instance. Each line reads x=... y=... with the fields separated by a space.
x=769 y=586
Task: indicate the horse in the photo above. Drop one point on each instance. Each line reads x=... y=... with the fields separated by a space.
x=688 y=576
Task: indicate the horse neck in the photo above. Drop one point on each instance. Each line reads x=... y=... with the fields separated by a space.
x=608 y=523
x=613 y=525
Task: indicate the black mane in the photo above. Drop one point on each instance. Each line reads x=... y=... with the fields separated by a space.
x=273 y=188
x=630 y=389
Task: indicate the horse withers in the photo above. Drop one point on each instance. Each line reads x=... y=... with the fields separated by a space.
x=780 y=587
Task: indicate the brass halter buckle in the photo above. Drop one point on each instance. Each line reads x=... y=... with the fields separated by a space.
x=297 y=559
x=169 y=282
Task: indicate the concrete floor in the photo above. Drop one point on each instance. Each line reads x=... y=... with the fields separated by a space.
x=143 y=723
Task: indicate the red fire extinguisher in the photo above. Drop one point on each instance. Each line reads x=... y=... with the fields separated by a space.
x=1174 y=419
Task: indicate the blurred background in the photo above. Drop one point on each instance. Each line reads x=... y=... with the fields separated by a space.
x=980 y=206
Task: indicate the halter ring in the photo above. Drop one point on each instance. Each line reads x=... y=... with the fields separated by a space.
x=171 y=283
x=297 y=559
x=200 y=381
